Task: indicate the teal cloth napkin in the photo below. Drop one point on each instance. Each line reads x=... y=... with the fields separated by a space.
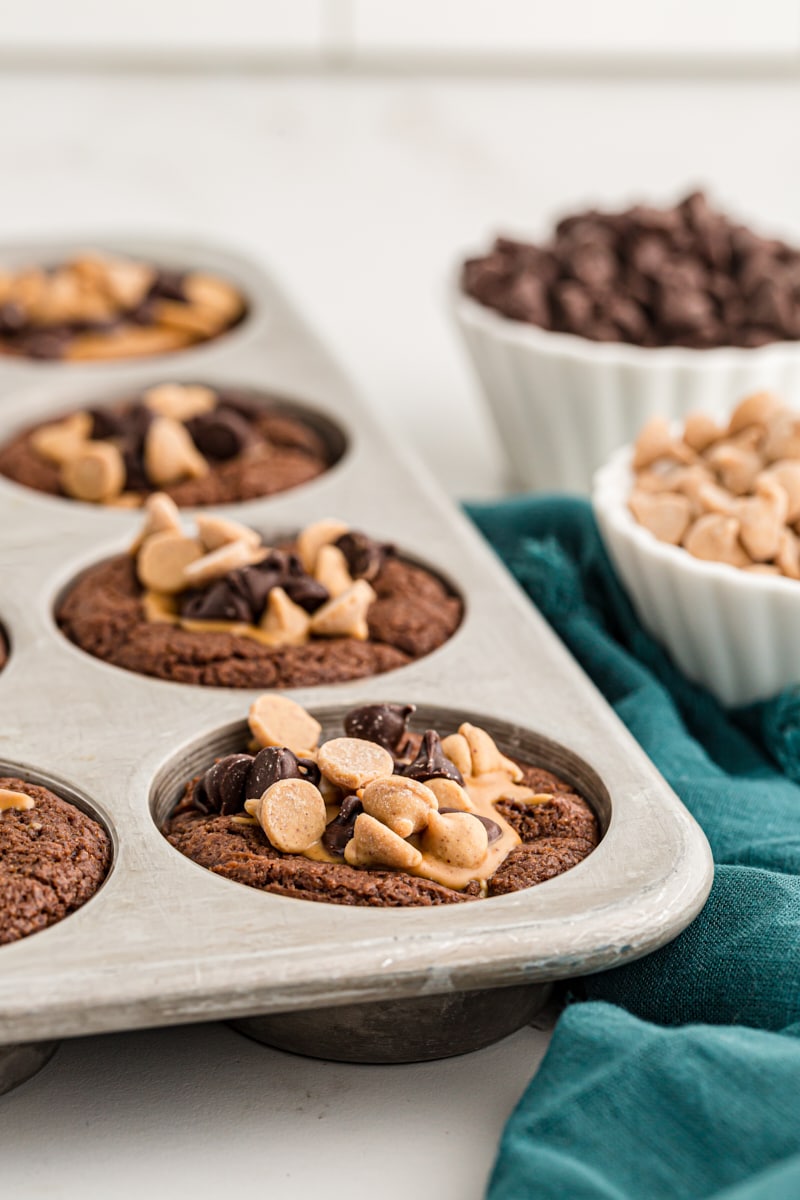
x=679 y=1075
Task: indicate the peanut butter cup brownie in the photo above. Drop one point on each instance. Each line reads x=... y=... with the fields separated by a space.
x=100 y=307
x=201 y=445
x=380 y=816
x=216 y=606
x=53 y=858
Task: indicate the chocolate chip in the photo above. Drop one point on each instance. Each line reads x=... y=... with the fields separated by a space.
x=274 y=763
x=168 y=285
x=222 y=788
x=363 y=555
x=220 y=601
x=253 y=585
x=492 y=828
x=221 y=434
x=340 y=830
x=431 y=762
x=12 y=317
x=386 y=724
x=306 y=592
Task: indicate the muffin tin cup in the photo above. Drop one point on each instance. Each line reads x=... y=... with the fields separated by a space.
x=562 y=403
x=166 y=941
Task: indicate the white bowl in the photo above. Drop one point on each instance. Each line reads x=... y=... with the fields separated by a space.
x=734 y=632
x=563 y=403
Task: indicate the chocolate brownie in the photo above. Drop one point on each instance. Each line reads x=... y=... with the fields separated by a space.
x=264 y=449
x=53 y=859
x=102 y=307
x=548 y=826
x=102 y=613
x=680 y=276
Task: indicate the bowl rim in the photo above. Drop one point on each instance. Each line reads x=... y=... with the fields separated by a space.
x=611 y=487
x=521 y=334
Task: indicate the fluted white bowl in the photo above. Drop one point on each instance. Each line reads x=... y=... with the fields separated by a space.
x=736 y=633
x=563 y=403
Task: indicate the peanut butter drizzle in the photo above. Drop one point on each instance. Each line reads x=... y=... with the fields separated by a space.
x=484 y=791
x=159 y=607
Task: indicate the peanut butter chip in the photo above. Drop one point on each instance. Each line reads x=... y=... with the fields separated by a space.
x=762 y=518
x=286 y=623
x=404 y=805
x=279 y=721
x=757 y=409
x=18 y=800
x=161 y=516
x=219 y=562
x=374 y=845
x=787 y=474
x=292 y=814
x=331 y=570
x=96 y=473
x=180 y=401
x=458 y=839
x=162 y=561
x=665 y=514
x=456 y=748
x=214 y=294
x=352 y=763
x=788 y=556
x=170 y=455
x=218 y=531
x=311 y=540
x=713 y=498
x=737 y=466
x=484 y=754
x=450 y=794
x=783 y=436
x=655 y=441
x=62 y=440
x=345 y=615
x=701 y=431
x=716 y=539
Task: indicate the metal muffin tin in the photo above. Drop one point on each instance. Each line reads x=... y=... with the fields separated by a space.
x=165 y=941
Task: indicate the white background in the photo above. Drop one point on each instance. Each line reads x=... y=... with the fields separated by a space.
x=362 y=189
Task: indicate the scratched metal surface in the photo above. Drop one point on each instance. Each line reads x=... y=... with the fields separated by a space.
x=164 y=941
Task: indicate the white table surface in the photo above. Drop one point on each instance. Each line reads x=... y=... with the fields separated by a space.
x=361 y=193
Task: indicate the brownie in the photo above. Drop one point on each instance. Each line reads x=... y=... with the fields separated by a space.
x=413 y=614
x=685 y=275
x=282 y=452
x=101 y=307
x=562 y=833
x=53 y=859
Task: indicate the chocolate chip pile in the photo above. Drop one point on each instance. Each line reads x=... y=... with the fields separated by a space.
x=377 y=797
x=728 y=494
x=106 y=307
x=680 y=276
x=224 y=577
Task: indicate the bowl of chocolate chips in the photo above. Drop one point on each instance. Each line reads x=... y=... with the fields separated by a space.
x=619 y=316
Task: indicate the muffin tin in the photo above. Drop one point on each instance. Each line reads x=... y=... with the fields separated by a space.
x=165 y=941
